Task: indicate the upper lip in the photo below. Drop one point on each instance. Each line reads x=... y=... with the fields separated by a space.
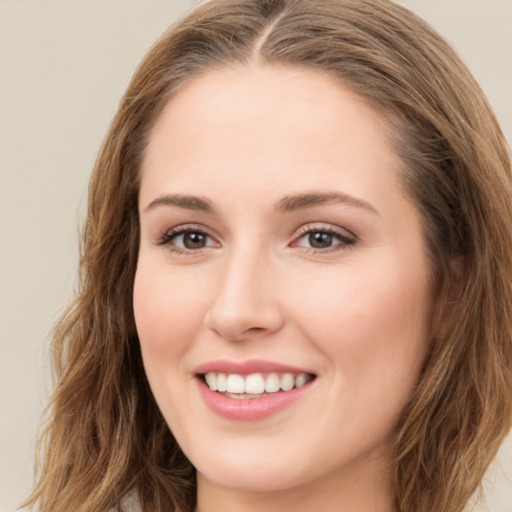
x=248 y=367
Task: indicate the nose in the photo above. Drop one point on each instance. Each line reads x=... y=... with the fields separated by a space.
x=246 y=305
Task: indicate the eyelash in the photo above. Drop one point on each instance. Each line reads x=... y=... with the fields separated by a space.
x=344 y=241
x=168 y=237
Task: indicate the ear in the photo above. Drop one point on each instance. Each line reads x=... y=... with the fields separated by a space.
x=449 y=309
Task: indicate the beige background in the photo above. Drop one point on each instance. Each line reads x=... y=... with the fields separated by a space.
x=63 y=67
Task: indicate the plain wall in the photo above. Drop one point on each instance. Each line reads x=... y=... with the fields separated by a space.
x=63 y=68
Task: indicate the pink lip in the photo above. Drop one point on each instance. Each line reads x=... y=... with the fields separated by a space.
x=247 y=367
x=248 y=409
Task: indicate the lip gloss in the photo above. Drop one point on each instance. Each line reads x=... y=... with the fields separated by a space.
x=249 y=366
x=249 y=409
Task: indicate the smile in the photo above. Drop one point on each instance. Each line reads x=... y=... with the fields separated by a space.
x=251 y=390
x=254 y=385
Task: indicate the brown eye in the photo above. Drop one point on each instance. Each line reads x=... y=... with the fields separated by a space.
x=194 y=240
x=320 y=239
x=187 y=240
x=323 y=240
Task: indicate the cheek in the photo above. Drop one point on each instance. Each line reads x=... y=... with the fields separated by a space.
x=167 y=310
x=374 y=330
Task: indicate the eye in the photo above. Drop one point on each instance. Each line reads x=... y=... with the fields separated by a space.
x=323 y=239
x=183 y=239
x=192 y=240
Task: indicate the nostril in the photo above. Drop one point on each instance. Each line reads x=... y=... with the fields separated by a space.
x=255 y=330
x=243 y=320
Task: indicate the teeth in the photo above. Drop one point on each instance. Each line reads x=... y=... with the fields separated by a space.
x=287 y=382
x=211 y=380
x=255 y=383
x=235 y=384
x=272 y=383
x=221 y=382
x=300 y=380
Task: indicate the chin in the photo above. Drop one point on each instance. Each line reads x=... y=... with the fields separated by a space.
x=256 y=480
x=255 y=475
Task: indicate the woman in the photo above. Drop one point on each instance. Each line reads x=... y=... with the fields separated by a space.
x=295 y=284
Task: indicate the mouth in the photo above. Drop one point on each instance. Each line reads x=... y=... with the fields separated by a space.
x=254 y=385
x=251 y=390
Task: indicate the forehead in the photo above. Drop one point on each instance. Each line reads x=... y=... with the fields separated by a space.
x=280 y=125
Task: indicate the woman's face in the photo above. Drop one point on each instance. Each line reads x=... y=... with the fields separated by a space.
x=278 y=250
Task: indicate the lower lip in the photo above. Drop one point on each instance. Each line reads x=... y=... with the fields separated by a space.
x=250 y=409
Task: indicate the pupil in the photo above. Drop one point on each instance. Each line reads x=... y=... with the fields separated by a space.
x=194 y=240
x=320 y=240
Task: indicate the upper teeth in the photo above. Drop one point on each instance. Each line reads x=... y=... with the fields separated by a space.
x=254 y=383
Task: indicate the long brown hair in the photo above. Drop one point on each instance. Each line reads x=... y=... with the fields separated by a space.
x=105 y=438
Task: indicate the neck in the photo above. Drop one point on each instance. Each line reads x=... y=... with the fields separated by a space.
x=368 y=490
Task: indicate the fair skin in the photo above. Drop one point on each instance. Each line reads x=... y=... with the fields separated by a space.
x=274 y=231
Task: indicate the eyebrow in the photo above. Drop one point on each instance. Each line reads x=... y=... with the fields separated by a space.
x=301 y=201
x=182 y=201
x=288 y=203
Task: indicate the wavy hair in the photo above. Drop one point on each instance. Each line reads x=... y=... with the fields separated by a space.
x=105 y=438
